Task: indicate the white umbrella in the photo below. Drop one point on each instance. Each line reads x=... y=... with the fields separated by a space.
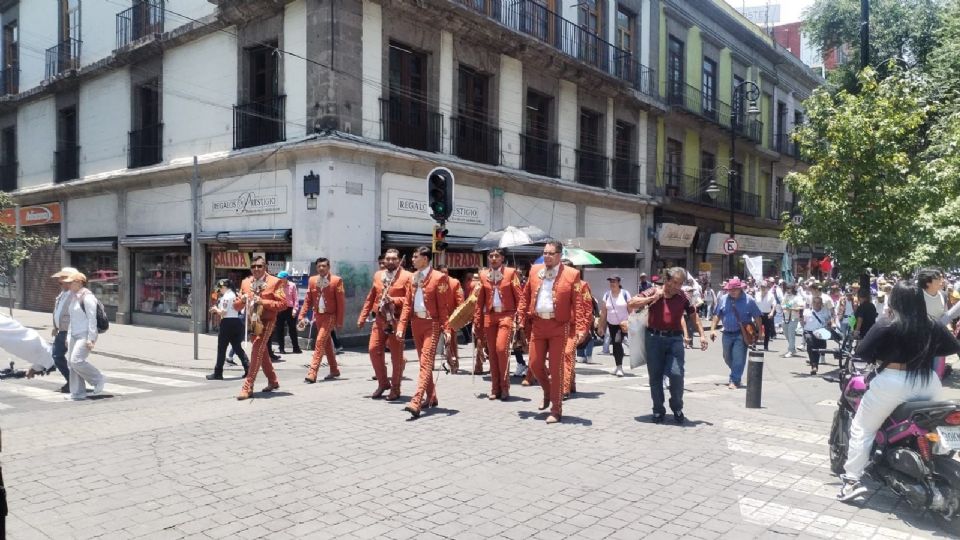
x=511 y=237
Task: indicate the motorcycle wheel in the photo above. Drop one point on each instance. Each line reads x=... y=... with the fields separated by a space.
x=839 y=441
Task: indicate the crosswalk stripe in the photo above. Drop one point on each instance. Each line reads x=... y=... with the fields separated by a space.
x=121 y=390
x=812 y=523
x=778 y=432
x=150 y=379
x=169 y=371
x=779 y=452
x=4 y=406
x=785 y=480
x=33 y=392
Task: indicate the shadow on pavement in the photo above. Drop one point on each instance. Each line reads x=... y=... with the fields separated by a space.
x=585 y=395
x=439 y=411
x=668 y=420
x=573 y=420
x=271 y=395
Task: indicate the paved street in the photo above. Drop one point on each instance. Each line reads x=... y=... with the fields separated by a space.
x=171 y=455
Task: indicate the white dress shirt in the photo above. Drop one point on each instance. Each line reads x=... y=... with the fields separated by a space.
x=765 y=301
x=418 y=304
x=545 y=296
x=321 y=304
x=226 y=304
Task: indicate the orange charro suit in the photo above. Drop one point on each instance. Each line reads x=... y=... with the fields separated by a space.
x=550 y=330
x=384 y=331
x=585 y=305
x=495 y=324
x=327 y=318
x=426 y=326
x=454 y=298
x=272 y=299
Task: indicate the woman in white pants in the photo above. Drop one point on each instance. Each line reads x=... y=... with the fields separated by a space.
x=82 y=338
x=904 y=349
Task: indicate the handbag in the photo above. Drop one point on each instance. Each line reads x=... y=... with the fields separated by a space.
x=747 y=331
x=637 y=326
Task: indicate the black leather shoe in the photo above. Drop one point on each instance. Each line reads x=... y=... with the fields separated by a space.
x=214 y=377
x=297 y=351
x=678 y=417
x=65 y=389
x=658 y=418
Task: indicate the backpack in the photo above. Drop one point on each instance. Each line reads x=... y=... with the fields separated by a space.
x=103 y=323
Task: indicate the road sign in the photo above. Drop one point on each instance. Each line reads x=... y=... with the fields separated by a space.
x=797 y=220
x=730 y=246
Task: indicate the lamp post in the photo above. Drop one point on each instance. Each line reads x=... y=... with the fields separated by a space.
x=749 y=91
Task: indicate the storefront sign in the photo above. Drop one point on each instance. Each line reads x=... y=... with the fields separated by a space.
x=43 y=214
x=464 y=260
x=252 y=202
x=414 y=205
x=747 y=244
x=671 y=234
x=231 y=259
x=706 y=267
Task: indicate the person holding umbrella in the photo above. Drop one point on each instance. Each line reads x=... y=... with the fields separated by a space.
x=498 y=296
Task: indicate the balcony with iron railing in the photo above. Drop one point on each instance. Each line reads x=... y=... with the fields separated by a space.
x=8 y=176
x=67 y=161
x=591 y=168
x=693 y=100
x=259 y=122
x=63 y=57
x=784 y=144
x=411 y=124
x=146 y=146
x=540 y=156
x=692 y=187
x=475 y=140
x=626 y=176
x=534 y=19
x=142 y=20
x=10 y=80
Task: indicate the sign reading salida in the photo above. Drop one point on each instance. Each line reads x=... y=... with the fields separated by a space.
x=252 y=202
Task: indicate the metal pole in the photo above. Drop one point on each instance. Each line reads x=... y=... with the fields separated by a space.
x=195 y=287
x=732 y=173
x=754 y=379
x=864 y=33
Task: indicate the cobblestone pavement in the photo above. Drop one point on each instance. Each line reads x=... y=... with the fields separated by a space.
x=185 y=460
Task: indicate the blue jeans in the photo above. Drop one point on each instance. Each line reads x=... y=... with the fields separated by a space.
x=791 y=332
x=60 y=355
x=665 y=357
x=587 y=350
x=735 y=355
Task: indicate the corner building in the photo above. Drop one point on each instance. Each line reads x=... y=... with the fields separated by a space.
x=315 y=122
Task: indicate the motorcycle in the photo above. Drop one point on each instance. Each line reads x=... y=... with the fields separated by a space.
x=915 y=450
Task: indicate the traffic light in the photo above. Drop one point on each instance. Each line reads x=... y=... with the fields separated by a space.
x=439 y=243
x=440 y=193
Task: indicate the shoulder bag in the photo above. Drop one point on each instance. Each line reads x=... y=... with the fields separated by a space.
x=748 y=331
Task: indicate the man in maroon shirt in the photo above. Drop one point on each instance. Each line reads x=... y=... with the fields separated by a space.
x=665 y=338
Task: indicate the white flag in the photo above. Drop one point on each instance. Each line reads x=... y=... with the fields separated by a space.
x=755 y=267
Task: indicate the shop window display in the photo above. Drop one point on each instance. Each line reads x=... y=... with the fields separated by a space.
x=163 y=283
x=101 y=270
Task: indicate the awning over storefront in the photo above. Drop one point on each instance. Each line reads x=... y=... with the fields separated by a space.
x=392 y=239
x=601 y=245
x=159 y=240
x=90 y=245
x=674 y=235
x=262 y=236
x=747 y=244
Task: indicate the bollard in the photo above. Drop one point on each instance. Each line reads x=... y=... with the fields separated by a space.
x=754 y=379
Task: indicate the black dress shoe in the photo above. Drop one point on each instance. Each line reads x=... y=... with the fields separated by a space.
x=214 y=377
x=65 y=389
x=678 y=417
x=281 y=351
x=297 y=351
x=658 y=418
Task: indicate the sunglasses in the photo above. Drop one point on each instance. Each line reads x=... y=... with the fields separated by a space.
x=256 y=266
x=549 y=252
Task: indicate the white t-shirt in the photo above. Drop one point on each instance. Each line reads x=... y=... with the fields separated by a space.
x=616 y=306
x=226 y=304
x=815 y=320
x=765 y=301
x=936 y=306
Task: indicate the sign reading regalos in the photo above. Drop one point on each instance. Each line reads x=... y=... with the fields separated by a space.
x=252 y=202
x=43 y=214
x=411 y=204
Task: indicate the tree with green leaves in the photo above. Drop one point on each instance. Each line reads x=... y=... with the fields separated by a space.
x=870 y=182
x=16 y=248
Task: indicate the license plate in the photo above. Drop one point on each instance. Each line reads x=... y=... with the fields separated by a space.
x=949 y=437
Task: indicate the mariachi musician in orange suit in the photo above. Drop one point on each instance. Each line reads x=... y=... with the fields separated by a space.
x=326 y=297
x=585 y=305
x=385 y=300
x=550 y=307
x=260 y=289
x=454 y=298
x=498 y=295
x=427 y=311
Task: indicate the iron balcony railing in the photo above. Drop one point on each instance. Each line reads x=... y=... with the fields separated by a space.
x=62 y=57
x=534 y=19
x=540 y=156
x=692 y=188
x=777 y=208
x=410 y=123
x=141 y=20
x=626 y=176
x=146 y=146
x=591 y=168
x=783 y=143
x=475 y=140
x=8 y=176
x=67 y=163
x=259 y=122
x=10 y=80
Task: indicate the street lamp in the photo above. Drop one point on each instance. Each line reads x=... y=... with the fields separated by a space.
x=749 y=91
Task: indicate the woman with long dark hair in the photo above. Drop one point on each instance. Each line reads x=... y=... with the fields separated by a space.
x=231 y=329
x=904 y=349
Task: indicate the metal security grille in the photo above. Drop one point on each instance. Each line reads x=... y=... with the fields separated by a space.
x=39 y=291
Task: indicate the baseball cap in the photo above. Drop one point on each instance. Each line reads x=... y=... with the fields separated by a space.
x=65 y=271
x=283 y=274
x=614 y=277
